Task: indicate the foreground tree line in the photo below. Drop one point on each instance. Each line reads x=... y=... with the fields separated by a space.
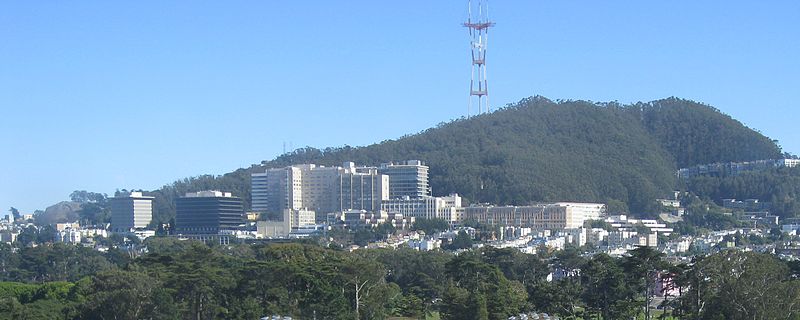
x=189 y=280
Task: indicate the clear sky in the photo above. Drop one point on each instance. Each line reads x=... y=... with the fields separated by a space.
x=105 y=95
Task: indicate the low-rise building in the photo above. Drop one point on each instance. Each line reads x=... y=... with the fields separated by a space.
x=273 y=229
x=735 y=168
x=447 y=208
x=555 y=216
x=364 y=219
x=624 y=222
x=293 y=221
x=8 y=236
x=68 y=235
x=759 y=219
x=67 y=225
x=425 y=244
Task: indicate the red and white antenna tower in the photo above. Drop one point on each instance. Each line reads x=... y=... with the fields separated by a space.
x=478 y=24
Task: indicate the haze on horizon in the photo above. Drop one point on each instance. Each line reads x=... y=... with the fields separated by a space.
x=103 y=96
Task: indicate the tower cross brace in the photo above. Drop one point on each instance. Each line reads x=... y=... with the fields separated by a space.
x=478 y=24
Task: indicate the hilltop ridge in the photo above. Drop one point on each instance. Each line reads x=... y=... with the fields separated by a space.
x=543 y=150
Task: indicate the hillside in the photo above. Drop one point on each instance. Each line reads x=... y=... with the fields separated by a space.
x=541 y=150
x=698 y=134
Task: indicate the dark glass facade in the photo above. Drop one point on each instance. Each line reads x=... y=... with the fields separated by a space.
x=208 y=215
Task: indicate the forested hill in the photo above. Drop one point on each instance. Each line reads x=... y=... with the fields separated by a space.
x=542 y=150
x=697 y=134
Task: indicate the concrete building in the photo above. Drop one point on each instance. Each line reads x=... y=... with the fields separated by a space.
x=596 y=235
x=622 y=222
x=576 y=236
x=272 y=229
x=133 y=211
x=648 y=240
x=301 y=218
x=68 y=235
x=447 y=208
x=578 y=212
x=318 y=188
x=407 y=179
x=208 y=212
x=259 y=192
x=364 y=219
x=556 y=216
x=67 y=225
x=360 y=188
x=291 y=220
x=277 y=189
x=425 y=244
x=275 y=229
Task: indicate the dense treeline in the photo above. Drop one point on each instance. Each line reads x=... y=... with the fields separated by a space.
x=780 y=187
x=541 y=150
x=189 y=280
x=697 y=134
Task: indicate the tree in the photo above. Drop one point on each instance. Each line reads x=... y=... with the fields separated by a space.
x=199 y=277
x=364 y=278
x=461 y=241
x=27 y=236
x=739 y=285
x=83 y=196
x=562 y=297
x=642 y=265
x=385 y=229
x=471 y=276
x=410 y=306
x=605 y=290
x=118 y=294
x=430 y=226
x=364 y=236
x=417 y=273
x=93 y=213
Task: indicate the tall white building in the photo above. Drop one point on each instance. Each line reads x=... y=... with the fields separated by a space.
x=360 y=188
x=277 y=189
x=318 y=188
x=259 y=192
x=407 y=179
x=134 y=211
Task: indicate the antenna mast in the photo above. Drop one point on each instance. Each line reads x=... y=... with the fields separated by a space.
x=478 y=25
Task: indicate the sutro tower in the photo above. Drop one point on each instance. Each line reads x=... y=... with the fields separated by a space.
x=478 y=26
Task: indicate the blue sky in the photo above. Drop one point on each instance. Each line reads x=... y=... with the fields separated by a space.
x=100 y=95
